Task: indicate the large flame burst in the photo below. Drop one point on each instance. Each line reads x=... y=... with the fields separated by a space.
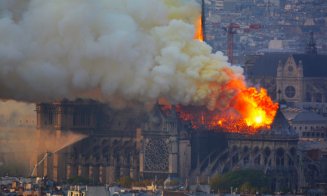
x=249 y=111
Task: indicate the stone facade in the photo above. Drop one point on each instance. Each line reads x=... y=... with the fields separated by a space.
x=289 y=81
x=275 y=155
x=310 y=126
x=128 y=142
x=274 y=151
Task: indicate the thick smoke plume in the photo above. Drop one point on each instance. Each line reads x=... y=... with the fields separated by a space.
x=108 y=50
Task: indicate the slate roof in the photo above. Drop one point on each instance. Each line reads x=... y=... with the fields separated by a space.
x=313 y=65
x=306 y=116
x=280 y=125
x=266 y=65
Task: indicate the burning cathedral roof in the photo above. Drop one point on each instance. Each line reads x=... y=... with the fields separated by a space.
x=279 y=130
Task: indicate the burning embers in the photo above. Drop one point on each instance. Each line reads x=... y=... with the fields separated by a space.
x=250 y=110
x=255 y=107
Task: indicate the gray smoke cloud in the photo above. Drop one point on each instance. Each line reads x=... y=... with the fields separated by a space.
x=108 y=50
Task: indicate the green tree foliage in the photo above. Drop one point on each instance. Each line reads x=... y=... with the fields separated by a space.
x=215 y=181
x=78 y=180
x=125 y=181
x=142 y=183
x=246 y=180
x=12 y=169
x=247 y=188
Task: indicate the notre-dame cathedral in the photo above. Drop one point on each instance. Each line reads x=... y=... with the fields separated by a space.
x=156 y=143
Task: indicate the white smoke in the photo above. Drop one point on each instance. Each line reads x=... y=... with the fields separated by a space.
x=109 y=50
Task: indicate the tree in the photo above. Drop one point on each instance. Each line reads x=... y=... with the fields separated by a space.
x=246 y=188
x=248 y=179
x=12 y=169
x=215 y=182
x=125 y=181
x=78 y=180
x=142 y=183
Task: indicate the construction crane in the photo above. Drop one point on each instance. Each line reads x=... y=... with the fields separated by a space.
x=232 y=29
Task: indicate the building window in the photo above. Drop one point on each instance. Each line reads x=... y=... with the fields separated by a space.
x=50 y=116
x=75 y=118
x=318 y=97
x=290 y=161
x=267 y=152
x=308 y=97
x=290 y=91
x=246 y=160
x=81 y=118
x=280 y=157
x=257 y=160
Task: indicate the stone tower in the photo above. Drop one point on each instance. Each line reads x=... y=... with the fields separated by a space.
x=311 y=46
x=289 y=80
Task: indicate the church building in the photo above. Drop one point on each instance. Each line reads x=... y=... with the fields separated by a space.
x=297 y=79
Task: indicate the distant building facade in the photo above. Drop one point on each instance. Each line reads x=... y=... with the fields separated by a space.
x=310 y=126
x=298 y=79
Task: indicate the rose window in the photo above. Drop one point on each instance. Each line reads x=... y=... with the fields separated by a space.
x=156 y=155
x=290 y=91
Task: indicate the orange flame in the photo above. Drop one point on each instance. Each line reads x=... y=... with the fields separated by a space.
x=198 y=29
x=256 y=107
x=248 y=111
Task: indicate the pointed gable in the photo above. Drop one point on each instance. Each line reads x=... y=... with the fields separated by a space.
x=280 y=125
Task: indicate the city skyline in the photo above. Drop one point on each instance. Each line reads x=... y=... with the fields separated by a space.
x=290 y=21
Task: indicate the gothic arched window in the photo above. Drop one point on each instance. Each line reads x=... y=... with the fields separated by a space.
x=318 y=97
